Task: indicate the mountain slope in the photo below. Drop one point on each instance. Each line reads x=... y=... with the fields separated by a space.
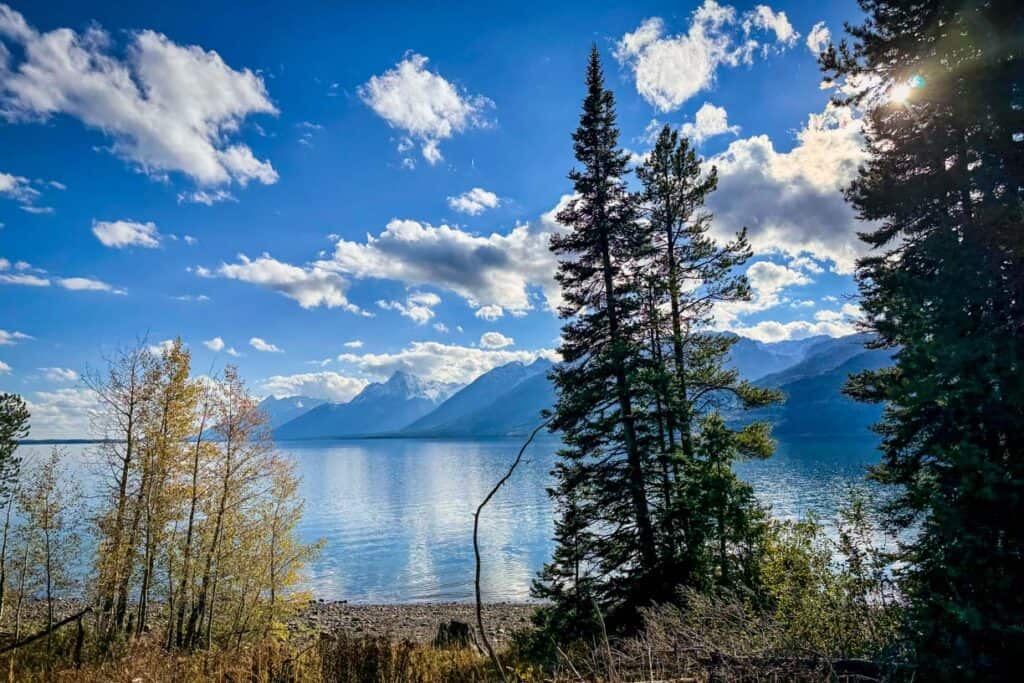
x=755 y=359
x=380 y=408
x=815 y=403
x=483 y=391
x=282 y=410
x=506 y=401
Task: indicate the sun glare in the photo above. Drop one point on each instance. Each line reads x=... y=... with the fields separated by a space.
x=900 y=93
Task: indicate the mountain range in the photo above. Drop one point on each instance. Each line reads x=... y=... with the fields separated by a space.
x=508 y=400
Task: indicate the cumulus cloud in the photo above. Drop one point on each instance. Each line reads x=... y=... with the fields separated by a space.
x=767 y=282
x=215 y=344
x=11 y=338
x=488 y=271
x=474 y=202
x=264 y=346
x=792 y=201
x=329 y=386
x=20 y=189
x=5 y=369
x=166 y=107
x=418 y=306
x=59 y=374
x=495 y=340
x=819 y=38
x=62 y=414
x=121 y=234
x=24 y=279
x=773 y=331
x=161 y=347
x=423 y=104
x=309 y=286
x=708 y=122
x=354 y=344
x=489 y=313
x=440 y=362
x=670 y=69
x=764 y=17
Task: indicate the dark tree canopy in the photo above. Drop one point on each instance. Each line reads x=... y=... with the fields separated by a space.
x=943 y=86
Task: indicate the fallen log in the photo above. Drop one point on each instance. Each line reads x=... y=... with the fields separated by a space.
x=45 y=632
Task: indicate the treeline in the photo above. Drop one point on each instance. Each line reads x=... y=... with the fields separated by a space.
x=193 y=516
x=650 y=513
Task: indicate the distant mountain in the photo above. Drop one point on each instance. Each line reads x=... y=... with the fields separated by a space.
x=815 y=402
x=380 y=408
x=755 y=359
x=506 y=401
x=282 y=410
x=482 y=392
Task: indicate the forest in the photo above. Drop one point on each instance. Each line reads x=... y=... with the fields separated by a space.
x=666 y=564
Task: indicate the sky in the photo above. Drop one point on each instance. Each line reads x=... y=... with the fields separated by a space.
x=325 y=194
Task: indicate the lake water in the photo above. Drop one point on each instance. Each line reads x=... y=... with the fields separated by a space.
x=397 y=514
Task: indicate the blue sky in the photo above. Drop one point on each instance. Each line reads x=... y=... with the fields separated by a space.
x=325 y=194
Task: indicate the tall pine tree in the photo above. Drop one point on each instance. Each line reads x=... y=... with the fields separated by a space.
x=943 y=86
x=602 y=479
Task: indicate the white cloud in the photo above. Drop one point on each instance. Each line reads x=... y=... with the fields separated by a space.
x=207 y=197
x=819 y=38
x=121 y=234
x=17 y=187
x=767 y=281
x=310 y=287
x=264 y=346
x=190 y=240
x=496 y=270
x=773 y=331
x=215 y=344
x=190 y=297
x=495 y=340
x=806 y=263
x=161 y=347
x=5 y=369
x=11 y=338
x=167 y=107
x=423 y=104
x=489 y=313
x=792 y=201
x=418 y=306
x=87 y=284
x=354 y=344
x=848 y=312
x=670 y=69
x=708 y=122
x=764 y=17
x=60 y=374
x=62 y=414
x=442 y=328
x=330 y=386
x=440 y=362
x=24 y=279
x=474 y=202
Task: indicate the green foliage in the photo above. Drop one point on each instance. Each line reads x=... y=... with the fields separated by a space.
x=944 y=286
x=14 y=427
x=646 y=496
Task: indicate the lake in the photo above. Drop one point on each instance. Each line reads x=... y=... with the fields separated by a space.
x=397 y=514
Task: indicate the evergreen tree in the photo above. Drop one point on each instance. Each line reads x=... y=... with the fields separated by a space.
x=14 y=427
x=604 y=469
x=943 y=86
x=690 y=274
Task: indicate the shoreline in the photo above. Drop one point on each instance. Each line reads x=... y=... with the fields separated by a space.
x=417 y=622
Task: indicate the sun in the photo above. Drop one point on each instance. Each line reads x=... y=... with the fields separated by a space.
x=900 y=93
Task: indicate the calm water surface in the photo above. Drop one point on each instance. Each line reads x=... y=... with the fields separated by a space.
x=397 y=515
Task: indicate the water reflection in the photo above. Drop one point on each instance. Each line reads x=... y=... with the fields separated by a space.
x=397 y=515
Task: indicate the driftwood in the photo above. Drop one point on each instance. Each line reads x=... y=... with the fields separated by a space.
x=46 y=631
x=476 y=547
